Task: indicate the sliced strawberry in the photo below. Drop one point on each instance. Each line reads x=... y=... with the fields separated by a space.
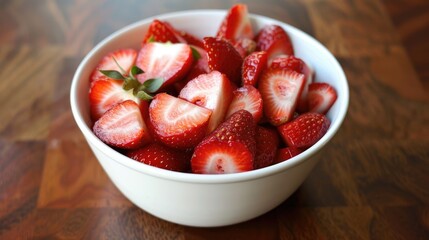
x=305 y=130
x=212 y=91
x=123 y=126
x=245 y=46
x=176 y=122
x=321 y=97
x=223 y=57
x=247 y=98
x=280 y=90
x=125 y=58
x=229 y=149
x=104 y=94
x=160 y=156
x=191 y=39
x=253 y=66
x=162 y=32
x=200 y=66
x=164 y=60
x=236 y=24
x=286 y=153
x=275 y=41
x=267 y=141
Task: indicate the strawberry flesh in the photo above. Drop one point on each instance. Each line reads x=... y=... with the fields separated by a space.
x=160 y=31
x=212 y=91
x=304 y=131
x=275 y=41
x=245 y=46
x=253 y=66
x=236 y=24
x=247 y=98
x=230 y=148
x=321 y=96
x=176 y=122
x=123 y=126
x=160 y=156
x=125 y=58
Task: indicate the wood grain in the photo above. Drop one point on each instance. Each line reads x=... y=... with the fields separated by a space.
x=370 y=184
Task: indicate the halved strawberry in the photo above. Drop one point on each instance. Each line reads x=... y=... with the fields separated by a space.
x=286 y=153
x=275 y=41
x=293 y=63
x=253 y=66
x=212 y=91
x=176 y=122
x=280 y=90
x=236 y=24
x=160 y=156
x=162 y=32
x=164 y=60
x=191 y=39
x=223 y=57
x=123 y=126
x=321 y=96
x=200 y=66
x=267 y=141
x=305 y=130
x=247 y=98
x=104 y=94
x=229 y=149
x=245 y=46
x=125 y=58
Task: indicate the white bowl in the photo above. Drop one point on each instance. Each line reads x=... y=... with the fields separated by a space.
x=207 y=200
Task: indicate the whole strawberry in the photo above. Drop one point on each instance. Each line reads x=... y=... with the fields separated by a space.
x=230 y=148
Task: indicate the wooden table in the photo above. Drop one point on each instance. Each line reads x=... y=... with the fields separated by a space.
x=372 y=183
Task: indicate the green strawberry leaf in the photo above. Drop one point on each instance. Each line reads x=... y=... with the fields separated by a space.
x=195 y=53
x=143 y=95
x=135 y=71
x=151 y=39
x=130 y=83
x=113 y=74
x=154 y=84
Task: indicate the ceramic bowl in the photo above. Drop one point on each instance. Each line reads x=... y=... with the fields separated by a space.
x=207 y=200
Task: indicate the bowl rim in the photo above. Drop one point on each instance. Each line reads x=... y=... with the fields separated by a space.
x=205 y=178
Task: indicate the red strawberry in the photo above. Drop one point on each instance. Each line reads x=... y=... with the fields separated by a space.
x=176 y=122
x=298 y=65
x=123 y=126
x=280 y=90
x=286 y=153
x=164 y=60
x=125 y=58
x=104 y=94
x=253 y=66
x=163 y=32
x=200 y=66
x=236 y=24
x=305 y=130
x=223 y=57
x=212 y=91
x=247 y=98
x=191 y=39
x=160 y=156
x=267 y=141
x=275 y=41
x=245 y=46
x=229 y=149
x=321 y=96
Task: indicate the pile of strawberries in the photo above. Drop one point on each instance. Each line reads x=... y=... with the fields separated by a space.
x=229 y=103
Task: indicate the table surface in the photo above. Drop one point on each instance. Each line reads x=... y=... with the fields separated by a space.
x=373 y=181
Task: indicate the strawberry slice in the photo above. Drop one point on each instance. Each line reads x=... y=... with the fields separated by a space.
x=245 y=46
x=164 y=60
x=286 y=153
x=247 y=98
x=123 y=126
x=104 y=94
x=191 y=39
x=253 y=66
x=125 y=58
x=176 y=122
x=162 y=32
x=229 y=149
x=280 y=90
x=305 y=130
x=275 y=41
x=212 y=91
x=236 y=24
x=160 y=156
x=200 y=66
x=267 y=141
x=298 y=65
x=223 y=57
x=321 y=97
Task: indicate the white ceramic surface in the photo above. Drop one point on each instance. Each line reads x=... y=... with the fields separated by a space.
x=207 y=200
